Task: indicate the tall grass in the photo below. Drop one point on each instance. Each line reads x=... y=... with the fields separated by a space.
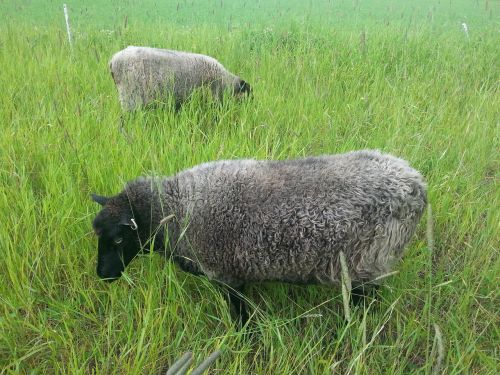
x=429 y=97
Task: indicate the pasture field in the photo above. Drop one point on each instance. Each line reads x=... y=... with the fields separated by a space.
x=328 y=77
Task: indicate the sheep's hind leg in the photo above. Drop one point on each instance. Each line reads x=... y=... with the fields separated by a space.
x=362 y=293
x=238 y=302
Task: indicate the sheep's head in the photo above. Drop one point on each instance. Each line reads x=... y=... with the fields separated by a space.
x=242 y=88
x=118 y=235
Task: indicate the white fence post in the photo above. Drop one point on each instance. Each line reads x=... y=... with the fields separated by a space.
x=66 y=17
x=466 y=29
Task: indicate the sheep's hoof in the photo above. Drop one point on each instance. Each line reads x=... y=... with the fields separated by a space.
x=237 y=301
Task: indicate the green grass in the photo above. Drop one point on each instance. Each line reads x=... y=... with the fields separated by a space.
x=109 y=14
x=420 y=90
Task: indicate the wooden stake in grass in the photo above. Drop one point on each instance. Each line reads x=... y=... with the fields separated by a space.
x=362 y=41
x=346 y=286
x=66 y=17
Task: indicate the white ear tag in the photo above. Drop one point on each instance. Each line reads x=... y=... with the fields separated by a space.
x=133 y=225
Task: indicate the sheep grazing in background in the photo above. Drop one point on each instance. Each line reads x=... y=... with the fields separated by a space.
x=244 y=221
x=143 y=75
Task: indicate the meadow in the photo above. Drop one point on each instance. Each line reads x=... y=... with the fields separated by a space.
x=328 y=77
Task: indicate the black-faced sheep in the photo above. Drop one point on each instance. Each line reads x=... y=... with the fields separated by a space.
x=143 y=75
x=243 y=221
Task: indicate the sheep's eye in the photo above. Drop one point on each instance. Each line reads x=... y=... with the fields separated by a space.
x=118 y=240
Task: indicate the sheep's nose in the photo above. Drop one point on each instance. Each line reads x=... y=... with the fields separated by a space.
x=106 y=277
x=109 y=279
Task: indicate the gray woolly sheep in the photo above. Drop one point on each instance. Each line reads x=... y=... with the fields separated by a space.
x=243 y=221
x=144 y=74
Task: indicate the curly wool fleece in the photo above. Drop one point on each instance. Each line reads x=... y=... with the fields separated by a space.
x=240 y=221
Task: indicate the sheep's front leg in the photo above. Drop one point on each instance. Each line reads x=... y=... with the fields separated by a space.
x=238 y=302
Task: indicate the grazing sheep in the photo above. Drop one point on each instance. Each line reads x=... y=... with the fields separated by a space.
x=144 y=74
x=242 y=221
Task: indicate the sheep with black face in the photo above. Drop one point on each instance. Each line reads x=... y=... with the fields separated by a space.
x=118 y=241
x=244 y=221
x=143 y=75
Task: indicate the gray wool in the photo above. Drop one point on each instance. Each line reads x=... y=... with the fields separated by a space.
x=240 y=221
x=144 y=74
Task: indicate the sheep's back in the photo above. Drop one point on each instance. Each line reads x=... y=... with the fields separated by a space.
x=288 y=220
x=142 y=74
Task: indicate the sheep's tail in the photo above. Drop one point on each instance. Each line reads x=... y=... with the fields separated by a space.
x=394 y=231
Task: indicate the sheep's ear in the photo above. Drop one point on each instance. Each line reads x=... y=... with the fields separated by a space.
x=99 y=199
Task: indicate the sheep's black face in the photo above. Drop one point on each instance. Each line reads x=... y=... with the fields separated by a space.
x=243 y=89
x=118 y=238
